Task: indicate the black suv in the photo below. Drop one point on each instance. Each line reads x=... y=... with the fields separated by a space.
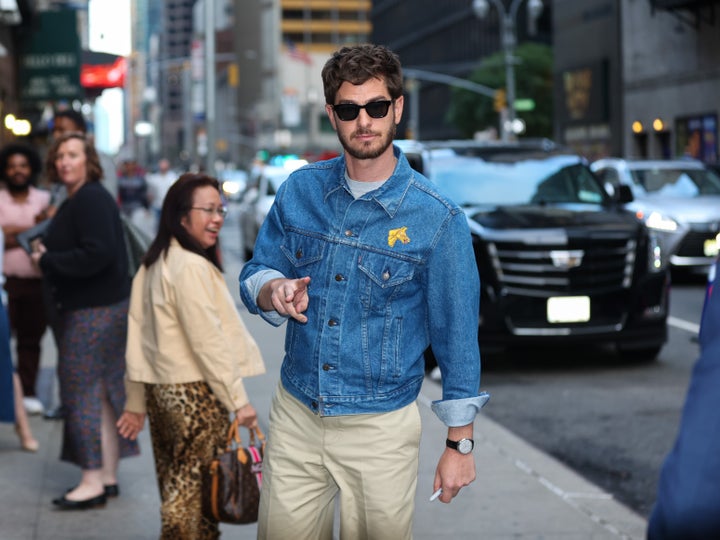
x=560 y=260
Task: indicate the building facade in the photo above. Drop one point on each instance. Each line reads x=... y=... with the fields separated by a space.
x=281 y=48
x=638 y=78
x=446 y=38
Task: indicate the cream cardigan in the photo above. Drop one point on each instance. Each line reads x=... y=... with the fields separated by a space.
x=183 y=327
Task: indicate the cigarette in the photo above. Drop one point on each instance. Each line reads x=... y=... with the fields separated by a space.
x=435 y=495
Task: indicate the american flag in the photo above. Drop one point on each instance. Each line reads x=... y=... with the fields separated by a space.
x=297 y=54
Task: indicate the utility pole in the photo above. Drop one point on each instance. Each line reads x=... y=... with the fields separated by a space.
x=508 y=38
x=210 y=85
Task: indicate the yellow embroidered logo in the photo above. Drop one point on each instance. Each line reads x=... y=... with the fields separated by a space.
x=398 y=234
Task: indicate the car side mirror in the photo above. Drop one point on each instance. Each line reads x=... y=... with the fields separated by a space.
x=623 y=193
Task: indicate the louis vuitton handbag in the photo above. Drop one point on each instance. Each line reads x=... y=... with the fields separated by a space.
x=231 y=481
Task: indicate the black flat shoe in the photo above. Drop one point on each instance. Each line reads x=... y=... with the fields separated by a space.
x=94 y=502
x=111 y=490
x=58 y=413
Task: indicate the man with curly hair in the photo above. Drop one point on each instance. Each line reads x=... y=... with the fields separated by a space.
x=368 y=264
x=22 y=206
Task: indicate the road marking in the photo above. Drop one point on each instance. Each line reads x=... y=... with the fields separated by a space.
x=684 y=325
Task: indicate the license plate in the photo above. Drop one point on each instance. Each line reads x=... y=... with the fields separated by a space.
x=568 y=309
x=710 y=248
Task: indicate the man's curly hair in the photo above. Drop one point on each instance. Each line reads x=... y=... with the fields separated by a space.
x=30 y=154
x=359 y=63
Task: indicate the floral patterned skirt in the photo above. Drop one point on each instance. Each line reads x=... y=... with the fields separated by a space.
x=91 y=366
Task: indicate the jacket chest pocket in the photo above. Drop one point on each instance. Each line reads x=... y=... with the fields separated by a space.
x=384 y=279
x=302 y=252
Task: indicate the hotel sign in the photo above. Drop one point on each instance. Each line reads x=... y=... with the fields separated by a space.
x=49 y=60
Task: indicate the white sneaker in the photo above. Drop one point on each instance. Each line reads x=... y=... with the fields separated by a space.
x=33 y=405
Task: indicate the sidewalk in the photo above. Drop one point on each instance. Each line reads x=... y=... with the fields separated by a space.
x=520 y=493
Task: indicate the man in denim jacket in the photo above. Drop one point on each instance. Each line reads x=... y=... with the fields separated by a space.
x=688 y=495
x=369 y=265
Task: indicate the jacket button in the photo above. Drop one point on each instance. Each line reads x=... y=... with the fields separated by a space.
x=314 y=404
x=332 y=322
x=339 y=277
x=326 y=367
x=348 y=233
x=386 y=275
x=298 y=254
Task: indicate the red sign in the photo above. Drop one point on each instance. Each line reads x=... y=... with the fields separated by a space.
x=102 y=70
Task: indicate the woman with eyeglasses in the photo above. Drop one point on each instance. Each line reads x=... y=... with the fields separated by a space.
x=187 y=353
x=83 y=258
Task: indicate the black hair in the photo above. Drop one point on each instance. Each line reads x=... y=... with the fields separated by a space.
x=176 y=206
x=76 y=117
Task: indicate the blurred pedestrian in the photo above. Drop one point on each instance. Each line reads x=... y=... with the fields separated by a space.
x=67 y=120
x=368 y=265
x=83 y=257
x=72 y=121
x=187 y=353
x=688 y=497
x=159 y=183
x=132 y=188
x=22 y=206
x=11 y=396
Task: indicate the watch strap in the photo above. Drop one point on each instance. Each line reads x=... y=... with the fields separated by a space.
x=455 y=444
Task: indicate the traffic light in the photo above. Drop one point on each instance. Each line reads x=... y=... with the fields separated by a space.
x=500 y=100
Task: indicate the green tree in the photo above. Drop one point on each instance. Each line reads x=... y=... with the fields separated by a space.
x=471 y=112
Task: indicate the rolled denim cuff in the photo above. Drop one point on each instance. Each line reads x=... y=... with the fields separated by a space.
x=273 y=317
x=252 y=287
x=459 y=412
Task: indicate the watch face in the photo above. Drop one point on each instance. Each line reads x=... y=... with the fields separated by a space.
x=465 y=446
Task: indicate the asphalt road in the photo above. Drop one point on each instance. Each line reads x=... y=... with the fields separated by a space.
x=611 y=421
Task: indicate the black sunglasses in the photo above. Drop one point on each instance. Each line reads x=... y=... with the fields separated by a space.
x=350 y=111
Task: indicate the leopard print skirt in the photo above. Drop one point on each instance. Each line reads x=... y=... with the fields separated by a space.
x=188 y=425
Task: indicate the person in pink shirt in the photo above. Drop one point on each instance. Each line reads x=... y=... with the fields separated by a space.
x=22 y=206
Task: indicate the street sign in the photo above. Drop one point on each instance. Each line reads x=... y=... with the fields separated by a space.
x=49 y=61
x=524 y=104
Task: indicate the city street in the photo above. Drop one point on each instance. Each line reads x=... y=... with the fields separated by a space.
x=612 y=422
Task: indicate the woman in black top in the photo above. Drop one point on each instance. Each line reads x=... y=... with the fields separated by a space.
x=83 y=258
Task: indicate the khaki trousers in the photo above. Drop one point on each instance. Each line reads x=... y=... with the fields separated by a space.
x=369 y=461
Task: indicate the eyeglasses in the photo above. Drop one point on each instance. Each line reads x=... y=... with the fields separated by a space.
x=350 y=111
x=221 y=211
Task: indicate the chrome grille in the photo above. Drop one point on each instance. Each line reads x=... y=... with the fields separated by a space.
x=607 y=264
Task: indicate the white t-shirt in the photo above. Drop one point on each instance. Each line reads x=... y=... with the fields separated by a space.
x=158 y=185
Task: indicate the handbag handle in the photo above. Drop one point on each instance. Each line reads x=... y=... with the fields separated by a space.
x=256 y=435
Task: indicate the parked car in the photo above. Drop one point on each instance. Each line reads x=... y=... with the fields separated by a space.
x=678 y=199
x=560 y=260
x=256 y=201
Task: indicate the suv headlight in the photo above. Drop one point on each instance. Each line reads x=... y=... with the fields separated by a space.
x=660 y=222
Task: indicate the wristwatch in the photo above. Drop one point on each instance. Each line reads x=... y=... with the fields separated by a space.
x=464 y=446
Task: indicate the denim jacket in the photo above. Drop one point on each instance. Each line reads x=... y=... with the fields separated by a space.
x=391 y=272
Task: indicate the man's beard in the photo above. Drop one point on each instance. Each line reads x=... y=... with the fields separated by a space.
x=368 y=152
x=18 y=188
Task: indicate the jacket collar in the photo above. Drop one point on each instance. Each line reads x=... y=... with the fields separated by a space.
x=389 y=196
